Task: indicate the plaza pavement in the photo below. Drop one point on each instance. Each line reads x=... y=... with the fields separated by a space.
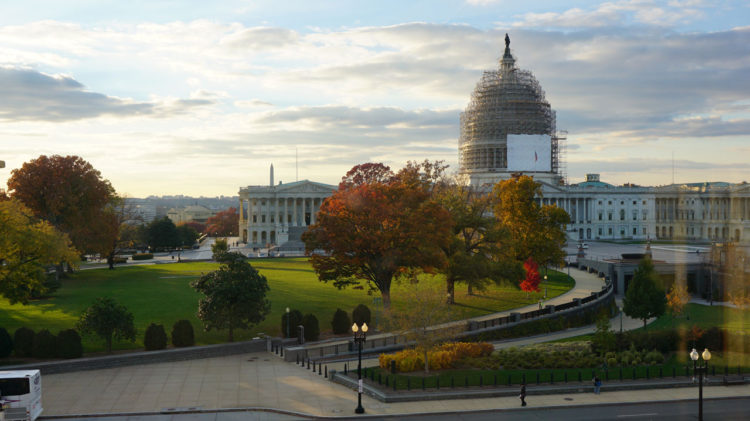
x=263 y=380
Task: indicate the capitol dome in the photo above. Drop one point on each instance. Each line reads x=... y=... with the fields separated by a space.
x=507 y=101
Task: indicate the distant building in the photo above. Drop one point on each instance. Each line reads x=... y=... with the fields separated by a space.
x=194 y=213
x=278 y=214
x=508 y=129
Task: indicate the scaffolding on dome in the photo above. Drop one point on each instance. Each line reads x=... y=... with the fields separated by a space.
x=505 y=101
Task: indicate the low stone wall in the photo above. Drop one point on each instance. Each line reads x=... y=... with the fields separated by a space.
x=145 y=357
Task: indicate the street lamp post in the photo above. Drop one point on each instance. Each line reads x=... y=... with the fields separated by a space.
x=701 y=369
x=620 y=319
x=288 y=322
x=360 y=336
x=545 y=287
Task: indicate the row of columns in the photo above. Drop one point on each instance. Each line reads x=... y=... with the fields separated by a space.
x=580 y=209
x=269 y=216
x=712 y=209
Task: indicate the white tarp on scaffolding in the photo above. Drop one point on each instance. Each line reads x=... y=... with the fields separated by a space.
x=529 y=152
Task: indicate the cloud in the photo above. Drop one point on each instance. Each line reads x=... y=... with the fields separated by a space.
x=30 y=95
x=617 y=13
x=260 y=38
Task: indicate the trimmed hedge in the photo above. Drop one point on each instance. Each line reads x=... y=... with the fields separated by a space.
x=23 y=339
x=442 y=357
x=361 y=314
x=341 y=322
x=183 y=334
x=69 y=344
x=155 y=337
x=6 y=343
x=312 y=328
x=45 y=344
x=143 y=256
x=295 y=319
x=670 y=340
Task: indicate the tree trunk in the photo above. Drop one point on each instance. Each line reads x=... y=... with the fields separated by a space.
x=426 y=363
x=111 y=261
x=386 y=295
x=450 y=288
x=469 y=289
x=644 y=324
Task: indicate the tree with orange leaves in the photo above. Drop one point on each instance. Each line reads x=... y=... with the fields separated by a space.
x=379 y=226
x=70 y=194
x=223 y=224
x=531 y=283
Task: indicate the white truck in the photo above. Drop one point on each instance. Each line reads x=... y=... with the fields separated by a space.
x=21 y=394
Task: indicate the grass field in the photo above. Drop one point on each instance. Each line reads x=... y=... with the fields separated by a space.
x=705 y=317
x=161 y=294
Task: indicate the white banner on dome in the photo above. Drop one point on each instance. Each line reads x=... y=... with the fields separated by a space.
x=529 y=152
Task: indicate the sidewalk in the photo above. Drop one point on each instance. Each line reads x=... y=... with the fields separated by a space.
x=263 y=380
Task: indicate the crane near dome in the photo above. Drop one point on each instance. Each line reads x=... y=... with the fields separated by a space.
x=509 y=128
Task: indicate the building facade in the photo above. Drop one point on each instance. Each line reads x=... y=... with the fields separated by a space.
x=508 y=129
x=277 y=215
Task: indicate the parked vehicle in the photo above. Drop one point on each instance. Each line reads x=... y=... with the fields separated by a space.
x=21 y=394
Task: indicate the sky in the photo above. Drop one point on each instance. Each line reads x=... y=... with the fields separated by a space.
x=199 y=98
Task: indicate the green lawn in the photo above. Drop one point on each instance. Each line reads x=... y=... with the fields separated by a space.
x=706 y=317
x=161 y=294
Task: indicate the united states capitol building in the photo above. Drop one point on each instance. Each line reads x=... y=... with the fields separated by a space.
x=509 y=129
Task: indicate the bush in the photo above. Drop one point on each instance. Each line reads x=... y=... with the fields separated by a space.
x=23 y=340
x=120 y=260
x=182 y=334
x=295 y=319
x=312 y=329
x=143 y=256
x=341 y=322
x=6 y=343
x=155 y=337
x=361 y=314
x=442 y=357
x=69 y=344
x=44 y=345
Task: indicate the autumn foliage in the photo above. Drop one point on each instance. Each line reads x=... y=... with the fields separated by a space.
x=223 y=224
x=378 y=226
x=441 y=358
x=531 y=283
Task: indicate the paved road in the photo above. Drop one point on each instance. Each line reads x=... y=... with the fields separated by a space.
x=713 y=409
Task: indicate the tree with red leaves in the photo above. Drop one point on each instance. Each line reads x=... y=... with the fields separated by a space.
x=224 y=223
x=531 y=283
x=377 y=227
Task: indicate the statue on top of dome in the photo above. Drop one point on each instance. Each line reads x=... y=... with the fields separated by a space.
x=507 y=41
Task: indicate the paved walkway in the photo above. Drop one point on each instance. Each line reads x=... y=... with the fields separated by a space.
x=264 y=380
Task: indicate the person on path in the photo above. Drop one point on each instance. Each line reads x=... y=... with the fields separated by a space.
x=597 y=384
x=523 y=394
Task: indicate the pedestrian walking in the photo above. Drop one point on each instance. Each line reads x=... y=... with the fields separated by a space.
x=597 y=384
x=523 y=394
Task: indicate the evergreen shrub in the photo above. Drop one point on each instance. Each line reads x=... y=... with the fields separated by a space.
x=45 y=344
x=155 y=337
x=361 y=314
x=6 y=343
x=312 y=328
x=143 y=256
x=341 y=322
x=69 y=344
x=23 y=340
x=182 y=334
x=295 y=319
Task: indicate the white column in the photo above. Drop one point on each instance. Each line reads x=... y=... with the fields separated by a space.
x=286 y=212
x=314 y=210
x=304 y=210
x=294 y=208
x=276 y=211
